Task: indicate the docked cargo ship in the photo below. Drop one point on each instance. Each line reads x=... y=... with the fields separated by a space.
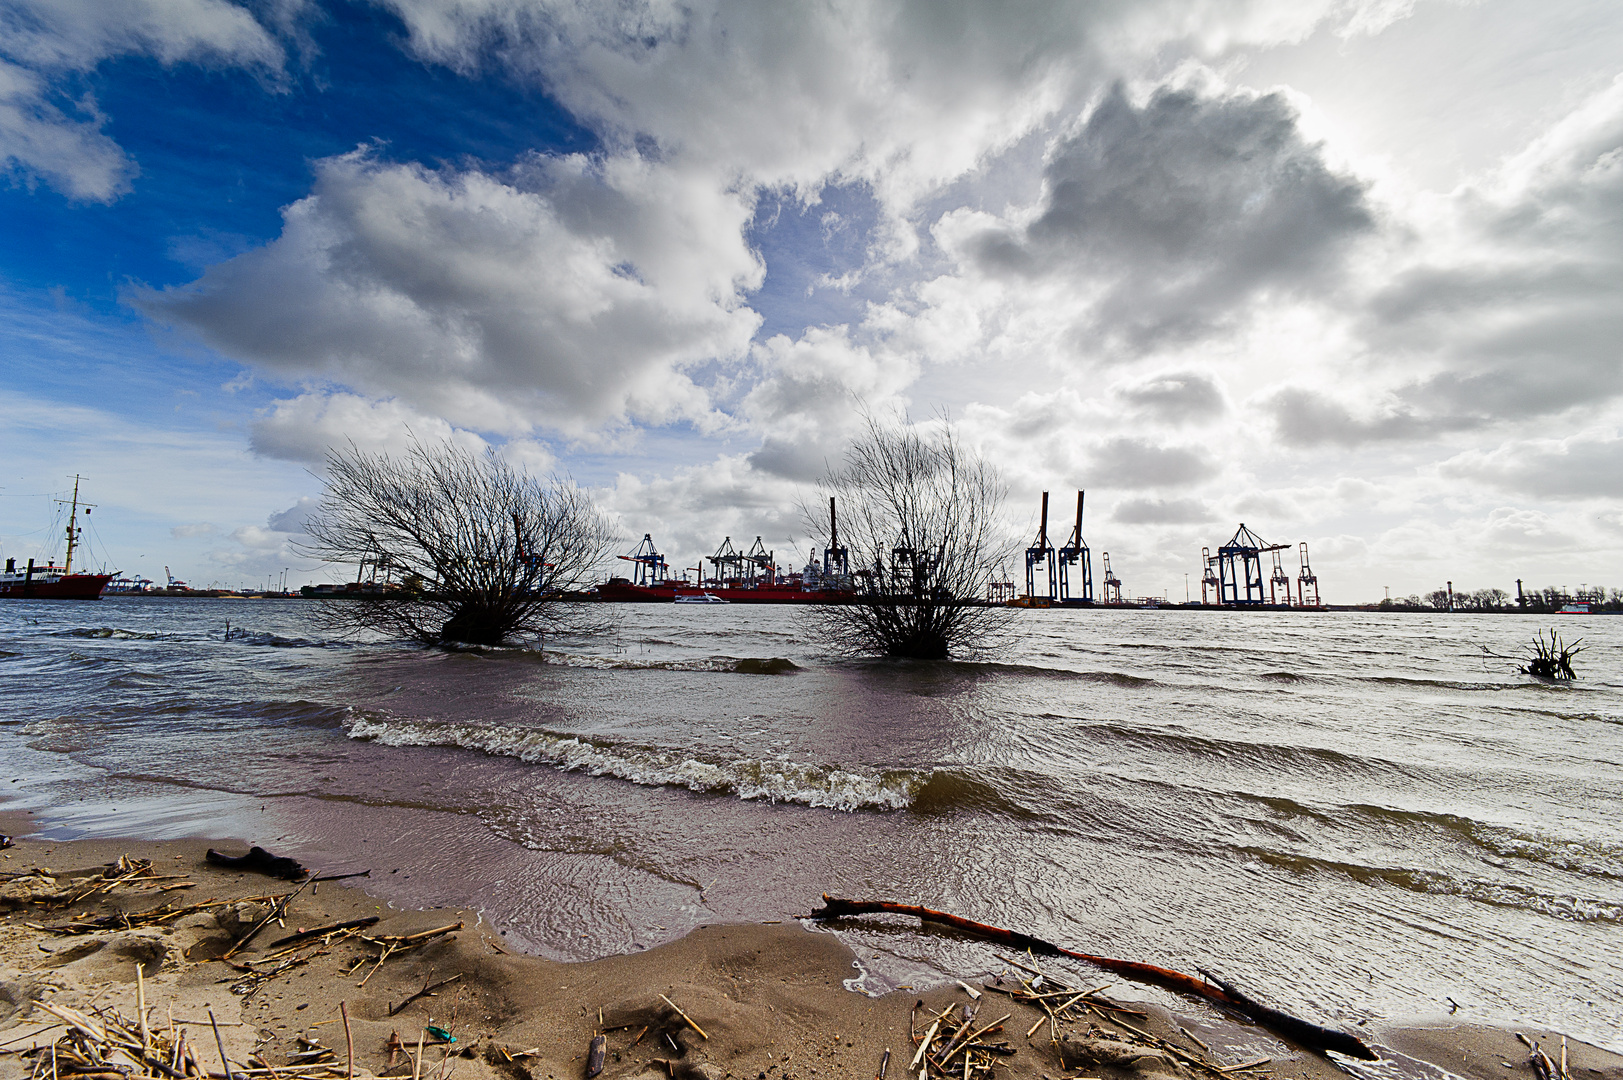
x=50 y=582
x=751 y=577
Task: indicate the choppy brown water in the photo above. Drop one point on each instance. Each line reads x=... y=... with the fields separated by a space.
x=1354 y=813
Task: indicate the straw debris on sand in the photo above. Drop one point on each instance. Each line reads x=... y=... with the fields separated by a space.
x=154 y=963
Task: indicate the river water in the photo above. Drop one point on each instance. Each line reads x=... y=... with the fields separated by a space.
x=1356 y=815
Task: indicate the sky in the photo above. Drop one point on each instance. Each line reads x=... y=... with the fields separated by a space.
x=1347 y=271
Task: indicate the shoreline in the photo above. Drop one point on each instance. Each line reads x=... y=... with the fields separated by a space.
x=770 y=997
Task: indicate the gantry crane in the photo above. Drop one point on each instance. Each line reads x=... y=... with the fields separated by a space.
x=1040 y=553
x=1112 y=583
x=1208 y=577
x=836 y=559
x=648 y=565
x=1239 y=566
x=727 y=558
x=1281 y=581
x=1307 y=580
x=1075 y=553
x=759 y=561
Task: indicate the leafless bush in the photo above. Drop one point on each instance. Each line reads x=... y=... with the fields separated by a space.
x=1551 y=659
x=477 y=552
x=920 y=515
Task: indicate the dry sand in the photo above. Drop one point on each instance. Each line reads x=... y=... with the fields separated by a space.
x=770 y=998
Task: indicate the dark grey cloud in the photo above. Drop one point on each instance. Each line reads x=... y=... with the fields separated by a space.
x=1582 y=467
x=1178 y=397
x=1181 y=210
x=293 y=518
x=1529 y=323
x=1306 y=418
x=1162 y=512
x=1513 y=342
x=803 y=461
x=1128 y=463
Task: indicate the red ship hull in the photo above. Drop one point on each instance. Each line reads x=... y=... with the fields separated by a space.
x=55 y=587
x=621 y=591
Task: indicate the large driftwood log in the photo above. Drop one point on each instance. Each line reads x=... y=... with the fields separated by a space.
x=1299 y=1031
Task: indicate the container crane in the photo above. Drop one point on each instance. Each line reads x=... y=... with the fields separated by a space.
x=727 y=558
x=1307 y=580
x=1280 y=582
x=1112 y=583
x=1208 y=578
x=1075 y=553
x=836 y=559
x=648 y=565
x=1041 y=552
x=1239 y=567
x=758 y=561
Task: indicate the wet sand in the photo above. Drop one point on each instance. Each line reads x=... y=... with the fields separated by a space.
x=770 y=998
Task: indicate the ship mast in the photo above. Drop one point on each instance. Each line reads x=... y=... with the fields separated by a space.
x=73 y=523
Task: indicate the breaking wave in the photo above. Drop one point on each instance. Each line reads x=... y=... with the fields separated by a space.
x=276 y=641
x=114 y=632
x=775 y=781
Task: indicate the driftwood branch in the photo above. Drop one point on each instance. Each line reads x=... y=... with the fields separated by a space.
x=1302 y=1032
x=426 y=991
x=322 y=931
x=276 y=912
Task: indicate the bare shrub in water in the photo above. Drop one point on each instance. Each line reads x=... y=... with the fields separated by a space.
x=1551 y=659
x=478 y=552
x=921 y=517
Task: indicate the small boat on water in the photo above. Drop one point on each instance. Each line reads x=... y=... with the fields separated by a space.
x=699 y=598
x=50 y=582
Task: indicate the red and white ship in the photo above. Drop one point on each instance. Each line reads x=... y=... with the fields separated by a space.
x=49 y=582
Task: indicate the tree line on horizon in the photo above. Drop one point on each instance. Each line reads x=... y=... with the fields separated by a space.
x=1543 y=601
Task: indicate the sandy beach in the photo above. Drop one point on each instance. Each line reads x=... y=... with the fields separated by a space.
x=739 y=1001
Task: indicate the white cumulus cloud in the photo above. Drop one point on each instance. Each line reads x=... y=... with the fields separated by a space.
x=570 y=291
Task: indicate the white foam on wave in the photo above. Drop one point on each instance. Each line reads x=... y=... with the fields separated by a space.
x=116 y=633
x=777 y=781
